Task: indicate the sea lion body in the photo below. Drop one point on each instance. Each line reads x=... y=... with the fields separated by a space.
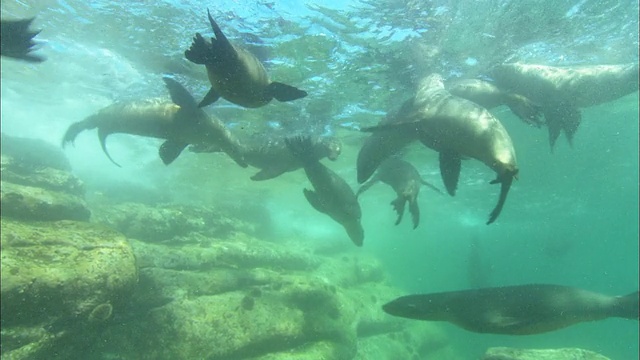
x=490 y=96
x=561 y=91
x=405 y=181
x=180 y=125
x=331 y=194
x=235 y=74
x=273 y=158
x=515 y=310
x=456 y=128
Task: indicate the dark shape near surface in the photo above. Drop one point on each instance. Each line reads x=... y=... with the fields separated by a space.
x=562 y=91
x=235 y=74
x=180 y=122
x=454 y=127
x=515 y=310
x=273 y=157
x=16 y=41
x=331 y=195
x=405 y=181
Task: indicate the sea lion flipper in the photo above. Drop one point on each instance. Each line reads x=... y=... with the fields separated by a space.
x=562 y=117
x=170 y=150
x=102 y=135
x=220 y=37
x=179 y=95
x=431 y=186
x=266 y=174
x=283 y=92
x=314 y=200
x=200 y=52
x=398 y=206
x=450 y=163
x=211 y=97
x=505 y=184
x=17 y=40
x=414 y=210
x=366 y=186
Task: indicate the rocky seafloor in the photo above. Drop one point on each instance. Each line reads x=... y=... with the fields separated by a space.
x=105 y=280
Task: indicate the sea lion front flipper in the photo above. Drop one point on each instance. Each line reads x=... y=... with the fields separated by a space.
x=170 y=150
x=211 y=97
x=103 y=143
x=266 y=174
x=450 y=163
x=314 y=200
x=505 y=184
x=179 y=95
x=283 y=92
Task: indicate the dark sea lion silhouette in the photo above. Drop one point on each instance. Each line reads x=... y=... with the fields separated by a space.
x=405 y=181
x=235 y=74
x=562 y=91
x=515 y=310
x=273 y=157
x=16 y=40
x=331 y=195
x=180 y=122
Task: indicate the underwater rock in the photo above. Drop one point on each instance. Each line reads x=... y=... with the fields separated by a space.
x=38 y=204
x=58 y=276
x=164 y=222
x=33 y=154
x=44 y=177
x=505 y=353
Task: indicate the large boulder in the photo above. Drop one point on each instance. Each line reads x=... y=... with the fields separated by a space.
x=60 y=279
x=39 y=204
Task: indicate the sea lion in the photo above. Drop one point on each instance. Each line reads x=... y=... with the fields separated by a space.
x=490 y=96
x=236 y=74
x=456 y=128
x=180 y=122
x=561 y=91
x=515 y=310
x=273 y=158
x=17 y=41
x=406 y=181
x=331 y=194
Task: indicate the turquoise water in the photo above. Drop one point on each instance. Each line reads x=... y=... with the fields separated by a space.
x=571 y=218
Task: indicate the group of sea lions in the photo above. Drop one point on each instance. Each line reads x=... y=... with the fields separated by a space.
x=451 y=118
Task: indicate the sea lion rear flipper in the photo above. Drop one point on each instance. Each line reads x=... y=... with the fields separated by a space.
x=283 y=92
x=103 y=143
x=17 y=40
x=314 y=200
x=211 y=97
x=525 y=109
x=179 y=95
x=200 y=52
x=562 y=117
x=505 y=184
x=450 y=163
x=415 y=212
x=266 y=174
x=398 y=206
x=170 y=150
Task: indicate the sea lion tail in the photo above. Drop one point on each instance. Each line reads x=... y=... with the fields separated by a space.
x=627 y=306
x=505 y=180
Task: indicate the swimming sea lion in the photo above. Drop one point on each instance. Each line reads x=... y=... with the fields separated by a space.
x=456 y=128
x=236 y=74
x=180 y=122
x=331 y=194
x=274 y=158
x=561 y=91
x=17 y=41
x=490 y=96
x=406 y=181
x=515 y=310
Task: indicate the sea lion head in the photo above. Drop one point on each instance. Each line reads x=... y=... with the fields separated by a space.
x=331 y=147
